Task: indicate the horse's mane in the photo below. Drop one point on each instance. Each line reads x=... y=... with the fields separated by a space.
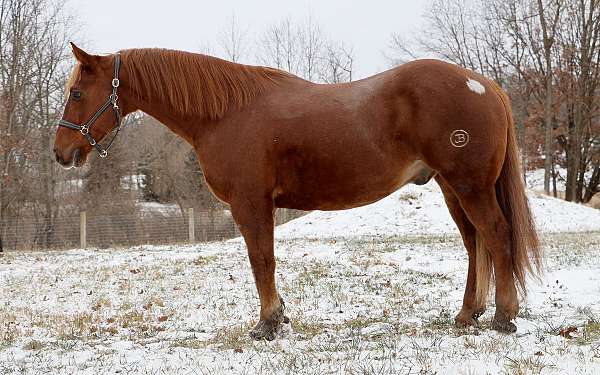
x=194 y=84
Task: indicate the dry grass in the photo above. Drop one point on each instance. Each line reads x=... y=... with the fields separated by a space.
x=379 y=306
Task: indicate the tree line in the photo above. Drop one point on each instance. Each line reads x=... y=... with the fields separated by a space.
x=33 y=34
x=546 y=54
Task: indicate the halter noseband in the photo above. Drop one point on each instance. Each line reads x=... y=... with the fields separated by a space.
x=111 y=101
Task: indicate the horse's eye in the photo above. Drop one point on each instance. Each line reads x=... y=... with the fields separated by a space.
x=76 y=94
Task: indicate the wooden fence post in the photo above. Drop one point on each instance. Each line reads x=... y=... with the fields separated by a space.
x=82 y=230
x=191 y=229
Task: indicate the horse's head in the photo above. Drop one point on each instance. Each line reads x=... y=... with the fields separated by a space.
x=93 y=108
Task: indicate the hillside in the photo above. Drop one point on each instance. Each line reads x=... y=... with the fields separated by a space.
x=422 y=210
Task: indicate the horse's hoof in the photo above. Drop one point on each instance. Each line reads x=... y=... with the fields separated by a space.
x=265 y=330
x=465 y=318
x=460 y=322
x=478 y=313
x=504 y=326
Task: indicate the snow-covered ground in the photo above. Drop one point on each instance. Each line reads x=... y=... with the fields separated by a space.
x=422 y=210
x=155 y=207
x=535 y=179
x=368 y=291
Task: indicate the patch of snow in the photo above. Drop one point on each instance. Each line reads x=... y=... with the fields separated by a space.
x=150 y=207
x=535 y=180
x=422 y=210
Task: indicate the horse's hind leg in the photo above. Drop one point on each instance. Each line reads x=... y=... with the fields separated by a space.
x=256 y=222
x=471 y=308
x=484 y=212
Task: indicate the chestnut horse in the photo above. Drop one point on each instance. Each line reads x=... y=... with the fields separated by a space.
x=267 y=139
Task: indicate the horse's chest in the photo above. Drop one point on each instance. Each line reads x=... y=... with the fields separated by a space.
x=217 y=189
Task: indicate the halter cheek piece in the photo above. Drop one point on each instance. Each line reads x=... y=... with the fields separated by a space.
x=110 y=102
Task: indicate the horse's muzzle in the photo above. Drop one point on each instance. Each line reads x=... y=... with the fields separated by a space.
x=75 y=160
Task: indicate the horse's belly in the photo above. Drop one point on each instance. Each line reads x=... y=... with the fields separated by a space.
x=323 y=191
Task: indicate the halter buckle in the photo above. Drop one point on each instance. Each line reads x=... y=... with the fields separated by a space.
x=115 y=82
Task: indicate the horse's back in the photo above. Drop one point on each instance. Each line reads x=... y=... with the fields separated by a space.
x=337 y=146
x=341 y=146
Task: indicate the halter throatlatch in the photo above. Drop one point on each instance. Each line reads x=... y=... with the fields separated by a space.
x=110 y=102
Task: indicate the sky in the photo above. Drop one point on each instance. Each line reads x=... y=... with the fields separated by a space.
x=109 y=25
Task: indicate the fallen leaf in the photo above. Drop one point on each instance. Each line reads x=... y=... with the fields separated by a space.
x=566 y=332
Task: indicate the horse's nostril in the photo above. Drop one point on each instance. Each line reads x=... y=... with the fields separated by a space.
x=58 y=158
x=76 y=155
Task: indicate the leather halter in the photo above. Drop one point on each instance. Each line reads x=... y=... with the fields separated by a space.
x=110 y=102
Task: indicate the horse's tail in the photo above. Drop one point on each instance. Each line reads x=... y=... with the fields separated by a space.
x=510 y=193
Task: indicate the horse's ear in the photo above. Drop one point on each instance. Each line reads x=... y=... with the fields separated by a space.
x=83 y=57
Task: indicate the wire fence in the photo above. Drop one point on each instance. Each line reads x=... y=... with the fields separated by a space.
x=104 y=231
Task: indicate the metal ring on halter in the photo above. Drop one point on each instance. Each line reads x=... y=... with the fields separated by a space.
x=103 y=153
x=84 y=130
x=115 y=82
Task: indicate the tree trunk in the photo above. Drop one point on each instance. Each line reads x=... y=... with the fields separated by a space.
x=571 y=162
x=548 y=143
x=592 y=186
x=554 y=193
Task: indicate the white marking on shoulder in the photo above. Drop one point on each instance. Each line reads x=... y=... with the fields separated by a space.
x=475 y=86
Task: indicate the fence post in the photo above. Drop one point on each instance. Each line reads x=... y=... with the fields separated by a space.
x=191 y=229
x=82 y=230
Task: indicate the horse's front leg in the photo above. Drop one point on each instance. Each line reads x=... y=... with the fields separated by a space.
x=256 y=222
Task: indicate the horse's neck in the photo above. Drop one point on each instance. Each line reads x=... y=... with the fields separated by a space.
x=186 y=127
x=189 y=129
x=191 y=125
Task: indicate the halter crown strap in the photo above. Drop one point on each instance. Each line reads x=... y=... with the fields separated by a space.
x=110 y=102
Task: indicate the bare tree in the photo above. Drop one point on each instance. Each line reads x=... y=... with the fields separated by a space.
x=338 y=64
x=48 y=84
x=456 y=32
x=549 y=16
x=474 y=34
x=312 y=46
x=168 y=166
x=545 y=53
x=579 y=41
x=32 y=51
x=233 y=40
x=304 y=49
x=278 y=47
